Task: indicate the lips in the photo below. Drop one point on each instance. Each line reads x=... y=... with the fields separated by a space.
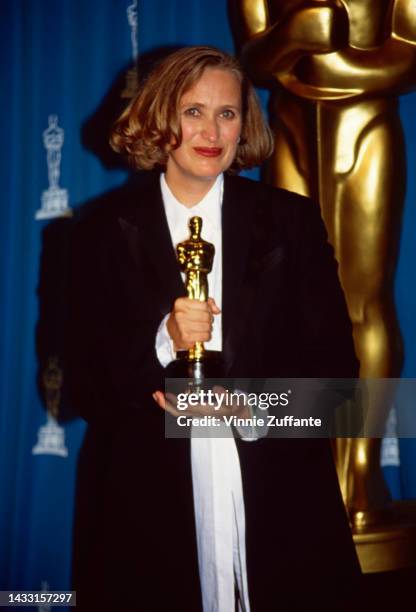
x=208 y=151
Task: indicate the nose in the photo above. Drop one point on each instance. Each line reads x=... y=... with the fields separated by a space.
x=210 y=129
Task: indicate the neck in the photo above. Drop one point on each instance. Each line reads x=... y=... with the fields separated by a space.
x=186 y=191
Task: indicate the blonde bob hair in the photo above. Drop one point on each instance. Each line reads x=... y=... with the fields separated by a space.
x=150 y=124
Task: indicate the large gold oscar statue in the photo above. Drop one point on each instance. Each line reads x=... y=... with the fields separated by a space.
x=335 y=68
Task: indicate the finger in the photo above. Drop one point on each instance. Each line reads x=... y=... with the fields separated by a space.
x=198 y=328
x=234 y=402
x=184 y=304
x=159 y=398
x=202 y=316
x=166 y=402
x=194 y=332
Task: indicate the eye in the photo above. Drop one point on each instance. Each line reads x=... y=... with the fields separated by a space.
x=193 y=111
x=228 y=113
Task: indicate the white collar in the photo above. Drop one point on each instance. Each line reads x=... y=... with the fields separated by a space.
x=209 y=208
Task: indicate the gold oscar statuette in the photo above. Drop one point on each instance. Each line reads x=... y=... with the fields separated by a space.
x=195 y=258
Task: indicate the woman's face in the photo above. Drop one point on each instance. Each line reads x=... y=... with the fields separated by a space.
x=210 y=114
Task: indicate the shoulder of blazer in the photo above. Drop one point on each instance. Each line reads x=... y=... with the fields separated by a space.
x=282 y=205
x=100 y=217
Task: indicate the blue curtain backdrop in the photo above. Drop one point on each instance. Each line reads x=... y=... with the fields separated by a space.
x=62 y=66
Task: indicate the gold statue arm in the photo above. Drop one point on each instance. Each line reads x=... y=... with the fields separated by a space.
x=267 y=49
x=307 y=51
x=388 y=69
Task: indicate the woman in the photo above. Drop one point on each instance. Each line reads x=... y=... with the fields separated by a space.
x=143 y=518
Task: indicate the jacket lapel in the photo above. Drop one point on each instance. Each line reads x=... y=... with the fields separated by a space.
x=146 y=229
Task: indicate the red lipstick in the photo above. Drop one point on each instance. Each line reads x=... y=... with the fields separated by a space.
x=208 y=151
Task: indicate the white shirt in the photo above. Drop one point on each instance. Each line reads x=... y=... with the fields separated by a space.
x=216 y=474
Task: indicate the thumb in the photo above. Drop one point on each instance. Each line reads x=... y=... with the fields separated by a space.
x=213 y=306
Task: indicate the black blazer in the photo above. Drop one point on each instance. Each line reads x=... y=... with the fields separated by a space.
x=284 y=315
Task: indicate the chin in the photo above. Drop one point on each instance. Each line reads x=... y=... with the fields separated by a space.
x=211 y=170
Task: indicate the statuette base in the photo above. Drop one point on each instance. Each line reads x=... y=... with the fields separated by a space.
x=54 y=204
x=391 y=545
x=211 y=366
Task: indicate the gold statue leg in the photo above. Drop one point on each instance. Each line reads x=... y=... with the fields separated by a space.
x=362 y=214
x=282 y=170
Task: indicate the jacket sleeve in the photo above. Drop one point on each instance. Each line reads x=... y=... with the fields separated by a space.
x=325 y=347
x=111 y=361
